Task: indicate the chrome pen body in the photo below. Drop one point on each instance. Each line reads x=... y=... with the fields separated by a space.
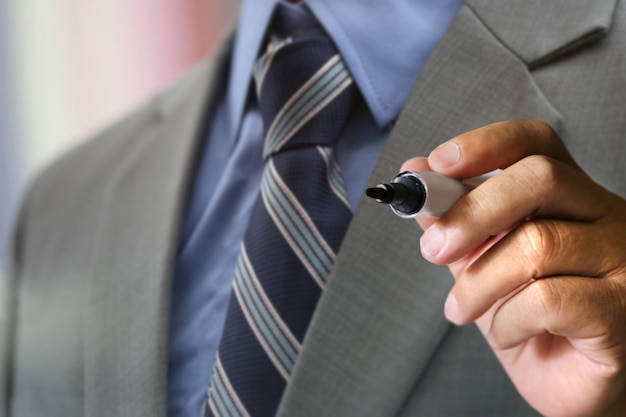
x=421 y=194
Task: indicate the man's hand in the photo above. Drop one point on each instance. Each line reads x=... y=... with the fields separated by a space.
x=539 y=256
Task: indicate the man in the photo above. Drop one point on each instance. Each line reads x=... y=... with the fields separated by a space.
x=106 y=319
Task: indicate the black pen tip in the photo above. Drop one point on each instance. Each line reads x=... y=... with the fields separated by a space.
x=381 y=193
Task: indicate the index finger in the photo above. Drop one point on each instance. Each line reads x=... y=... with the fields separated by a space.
x=497 y=146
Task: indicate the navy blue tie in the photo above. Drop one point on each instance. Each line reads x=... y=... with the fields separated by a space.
x=305 y=95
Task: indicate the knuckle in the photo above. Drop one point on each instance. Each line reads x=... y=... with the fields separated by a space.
x=541 y=168
x=476 y=205
x=545 y=300
x=541 y=243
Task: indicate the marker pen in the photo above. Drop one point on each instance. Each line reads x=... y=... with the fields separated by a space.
x=423 y=194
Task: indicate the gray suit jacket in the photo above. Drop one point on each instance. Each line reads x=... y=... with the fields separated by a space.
x=96 y=241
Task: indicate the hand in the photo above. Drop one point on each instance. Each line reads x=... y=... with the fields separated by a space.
x=538 y=253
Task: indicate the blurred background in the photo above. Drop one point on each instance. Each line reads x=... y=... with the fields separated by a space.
x=68 y=68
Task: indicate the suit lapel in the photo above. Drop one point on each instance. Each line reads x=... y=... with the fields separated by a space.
x=126 y=328
x=557 y=27
x=380 y=319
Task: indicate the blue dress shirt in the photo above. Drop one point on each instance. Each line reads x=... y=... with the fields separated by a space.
x=385 y=46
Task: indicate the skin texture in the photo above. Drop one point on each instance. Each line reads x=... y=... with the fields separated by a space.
x=538 y=253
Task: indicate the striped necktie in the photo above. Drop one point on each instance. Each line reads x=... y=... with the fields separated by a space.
x=297 y=225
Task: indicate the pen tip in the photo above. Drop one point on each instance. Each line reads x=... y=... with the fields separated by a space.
x=379 y=193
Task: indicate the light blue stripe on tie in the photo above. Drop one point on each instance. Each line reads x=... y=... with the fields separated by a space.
x=335 y=179
x=221 y=398
x=280 y=345
x=260 y=68
x=298 y=230
x=250 y=285
x=222 y=395
x=263 y=63
x=306 y=101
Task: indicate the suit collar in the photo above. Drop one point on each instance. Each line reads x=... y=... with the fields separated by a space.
x=556 y=28
x=380 y=319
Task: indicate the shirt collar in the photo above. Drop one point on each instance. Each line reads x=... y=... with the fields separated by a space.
x=385 y=46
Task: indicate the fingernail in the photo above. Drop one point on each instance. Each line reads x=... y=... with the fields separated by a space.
x=445 y=155
x=432 y=241
x=451 y=308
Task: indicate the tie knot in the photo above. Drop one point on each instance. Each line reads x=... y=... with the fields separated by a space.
x=305 y=92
